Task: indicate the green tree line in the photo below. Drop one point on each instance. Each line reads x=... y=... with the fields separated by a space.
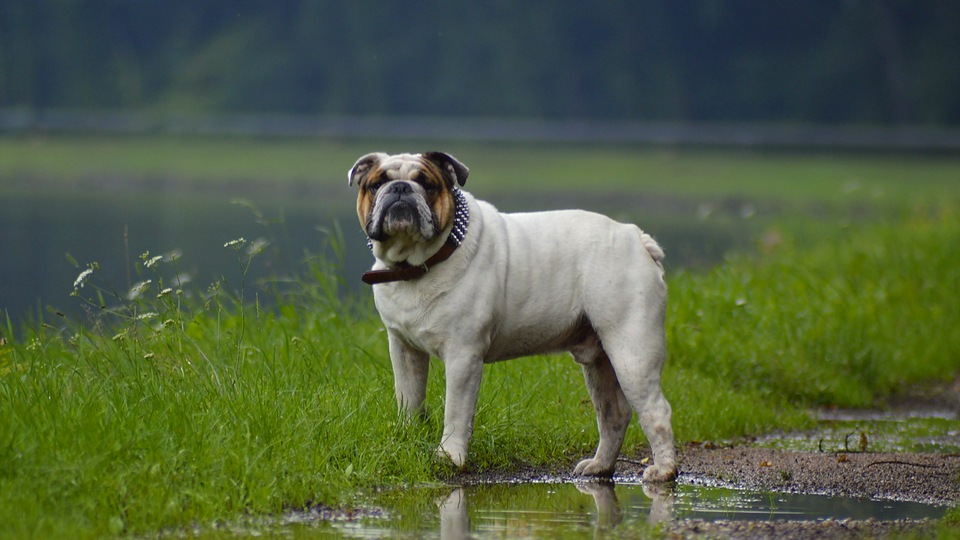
x=827 y=61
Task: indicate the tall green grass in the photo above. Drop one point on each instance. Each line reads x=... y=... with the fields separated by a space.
x=846 y=322
x=178 y=408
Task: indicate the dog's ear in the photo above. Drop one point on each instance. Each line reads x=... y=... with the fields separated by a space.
x=363 y=166
x=451 y=168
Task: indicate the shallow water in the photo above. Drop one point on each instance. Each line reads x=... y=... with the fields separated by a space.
x=923 y=430
x=40 y=231
x=584 y=510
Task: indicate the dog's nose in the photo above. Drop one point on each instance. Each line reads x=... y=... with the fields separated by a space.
x=400 y=188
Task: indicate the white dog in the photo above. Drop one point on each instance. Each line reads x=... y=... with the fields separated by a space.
x=458 y=280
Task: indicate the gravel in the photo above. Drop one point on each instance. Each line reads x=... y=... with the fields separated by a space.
x=927 y=478
x=924 y=478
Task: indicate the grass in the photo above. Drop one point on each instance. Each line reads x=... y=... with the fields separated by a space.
x=183 y=407
x=848 y=322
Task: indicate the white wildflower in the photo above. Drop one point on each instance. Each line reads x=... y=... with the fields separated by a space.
x=236 y=244
x=146 y=316
x=151 y=262
x=138 y=289
x=82 y=278
x=165 y=292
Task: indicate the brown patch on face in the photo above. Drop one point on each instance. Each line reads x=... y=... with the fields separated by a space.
x=439 y=194
x=363 y=170
x=365 y=201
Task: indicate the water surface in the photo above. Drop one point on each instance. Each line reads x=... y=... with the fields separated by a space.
x=584 y=510
x=48 y=236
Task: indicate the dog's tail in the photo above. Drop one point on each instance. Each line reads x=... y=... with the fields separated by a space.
x=653 y=248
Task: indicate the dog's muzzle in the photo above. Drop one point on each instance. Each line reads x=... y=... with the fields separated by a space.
x=398 y=209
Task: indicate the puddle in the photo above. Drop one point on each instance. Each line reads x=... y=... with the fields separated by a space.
x=556 y=509
x=931 y=431
x=582 y=510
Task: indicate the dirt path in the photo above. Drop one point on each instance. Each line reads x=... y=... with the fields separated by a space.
x=929 y=478
x=932 y=478
x=926 y=478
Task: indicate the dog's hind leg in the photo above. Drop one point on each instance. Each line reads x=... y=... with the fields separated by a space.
x=655 y=419
x=613 y=410
x=637 y=358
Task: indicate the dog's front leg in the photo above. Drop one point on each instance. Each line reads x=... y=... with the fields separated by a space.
x=463 y=374
x=410 y=370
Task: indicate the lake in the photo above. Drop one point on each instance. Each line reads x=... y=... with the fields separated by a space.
x=50 y=233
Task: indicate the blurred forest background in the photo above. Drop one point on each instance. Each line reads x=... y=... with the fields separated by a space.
x=331 y=77
x=864 y=62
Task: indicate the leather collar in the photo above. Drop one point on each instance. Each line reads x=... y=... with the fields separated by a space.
x=406 y=272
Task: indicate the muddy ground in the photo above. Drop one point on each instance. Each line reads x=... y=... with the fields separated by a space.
x=928 y=478
x=920 y=477
x=932 y=478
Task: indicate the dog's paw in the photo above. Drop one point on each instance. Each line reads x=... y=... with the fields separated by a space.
x=455 y=456
x=592 y=467
x=658 y=473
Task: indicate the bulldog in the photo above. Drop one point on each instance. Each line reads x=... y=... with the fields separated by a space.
x=456 y=279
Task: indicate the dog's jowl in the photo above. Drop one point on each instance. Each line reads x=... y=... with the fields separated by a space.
x=456 y=279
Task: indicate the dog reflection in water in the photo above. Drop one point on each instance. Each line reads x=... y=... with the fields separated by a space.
x=455 y=518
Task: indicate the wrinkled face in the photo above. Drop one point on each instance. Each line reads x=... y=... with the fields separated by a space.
x=406 y=195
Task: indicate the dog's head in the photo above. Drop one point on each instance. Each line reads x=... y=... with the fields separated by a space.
x=406 y=197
